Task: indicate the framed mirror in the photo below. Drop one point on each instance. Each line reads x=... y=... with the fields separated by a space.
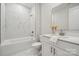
x=66 y=16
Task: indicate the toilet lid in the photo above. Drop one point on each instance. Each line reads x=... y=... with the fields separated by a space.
x=36 y=44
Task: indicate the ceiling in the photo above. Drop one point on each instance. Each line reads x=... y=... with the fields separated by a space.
x=28 y=5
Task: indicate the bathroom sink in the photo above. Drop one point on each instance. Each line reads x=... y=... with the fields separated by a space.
x=70 y=39
x=49 y=35
x=64 y=37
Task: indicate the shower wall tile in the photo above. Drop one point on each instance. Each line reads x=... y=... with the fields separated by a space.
x=2 y=22
x=15 y=21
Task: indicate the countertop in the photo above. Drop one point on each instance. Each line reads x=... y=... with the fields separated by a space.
x=69 y=39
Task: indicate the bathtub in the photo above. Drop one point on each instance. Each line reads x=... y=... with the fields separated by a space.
x=10 y=47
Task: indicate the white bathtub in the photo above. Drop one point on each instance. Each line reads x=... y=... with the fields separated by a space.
x=10 y=47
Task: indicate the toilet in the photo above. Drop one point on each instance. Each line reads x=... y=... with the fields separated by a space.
x=37 y=45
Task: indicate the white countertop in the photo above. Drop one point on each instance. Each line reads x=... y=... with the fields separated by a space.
x=71 y=39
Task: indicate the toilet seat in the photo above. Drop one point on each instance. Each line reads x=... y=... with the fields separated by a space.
x=36 y=44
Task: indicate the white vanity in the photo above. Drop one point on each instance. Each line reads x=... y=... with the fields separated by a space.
x=67 y=17
x=64 y=46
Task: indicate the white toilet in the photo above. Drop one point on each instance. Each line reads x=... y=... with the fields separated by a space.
x=37 y=45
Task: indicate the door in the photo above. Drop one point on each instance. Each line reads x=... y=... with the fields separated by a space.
x=46 y=49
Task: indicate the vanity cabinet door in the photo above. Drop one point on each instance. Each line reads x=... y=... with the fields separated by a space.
x=60 y=52
x=67 y=49
x=46 y=49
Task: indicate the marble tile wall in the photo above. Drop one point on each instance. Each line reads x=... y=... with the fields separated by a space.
x=16 y=21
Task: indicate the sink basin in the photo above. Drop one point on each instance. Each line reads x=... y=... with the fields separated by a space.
x=70 y=39
x=49 y=35
x=65 y=37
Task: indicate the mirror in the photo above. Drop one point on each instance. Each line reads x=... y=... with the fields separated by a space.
x=66 y=16
x=74 y=18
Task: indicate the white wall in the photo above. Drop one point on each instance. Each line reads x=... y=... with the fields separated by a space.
x=46 y=17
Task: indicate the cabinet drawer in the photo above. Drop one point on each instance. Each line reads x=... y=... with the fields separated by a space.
x=72 y=48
